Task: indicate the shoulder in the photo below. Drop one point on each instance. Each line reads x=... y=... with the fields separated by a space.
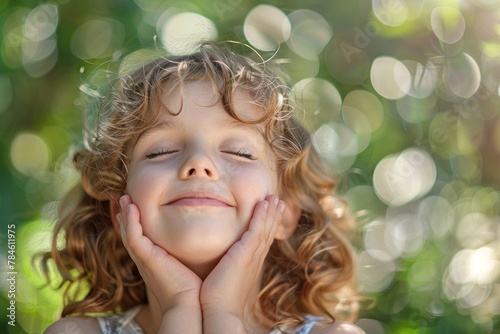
x=338 y=327
x=74 y=325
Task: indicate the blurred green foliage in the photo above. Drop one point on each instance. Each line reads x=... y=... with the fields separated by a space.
x=402 y=98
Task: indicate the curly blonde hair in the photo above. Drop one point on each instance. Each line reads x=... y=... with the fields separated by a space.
x=311 y=272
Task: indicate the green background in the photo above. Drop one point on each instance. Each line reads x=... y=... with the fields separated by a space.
x=402 y=97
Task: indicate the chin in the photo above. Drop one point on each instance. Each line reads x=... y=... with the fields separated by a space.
x=200 y=255
x=202 y=265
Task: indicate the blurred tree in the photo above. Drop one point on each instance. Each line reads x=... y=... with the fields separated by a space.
x=406 y=91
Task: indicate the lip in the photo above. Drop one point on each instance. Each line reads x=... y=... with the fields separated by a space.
x=199 y=198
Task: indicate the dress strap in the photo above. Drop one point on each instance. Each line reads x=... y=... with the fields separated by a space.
x=305 y=328
x=121 y=323
x=309 y=324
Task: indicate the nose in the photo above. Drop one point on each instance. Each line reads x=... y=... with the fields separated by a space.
x=198 y=164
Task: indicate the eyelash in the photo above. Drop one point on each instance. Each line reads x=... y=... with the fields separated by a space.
x=153 y=155
x=239 y=153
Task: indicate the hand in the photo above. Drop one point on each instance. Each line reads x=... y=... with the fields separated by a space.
x=171 y=282
x=226 y=289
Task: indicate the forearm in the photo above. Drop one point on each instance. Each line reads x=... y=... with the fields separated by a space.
x=181 y=320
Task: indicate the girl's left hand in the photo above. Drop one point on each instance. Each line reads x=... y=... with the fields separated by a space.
x=226 y=288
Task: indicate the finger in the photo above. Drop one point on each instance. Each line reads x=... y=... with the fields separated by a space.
x=273 y=217
x=264 y=225
x=259 y=217
x=277 y=220
x=131 y=229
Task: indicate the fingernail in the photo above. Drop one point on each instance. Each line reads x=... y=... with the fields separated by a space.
x=266 y=205
x=121 y=201
x=128 y=208
x=282 y=207
x=276 y=201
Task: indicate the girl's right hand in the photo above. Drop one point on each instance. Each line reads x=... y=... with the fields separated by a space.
x=171 y=282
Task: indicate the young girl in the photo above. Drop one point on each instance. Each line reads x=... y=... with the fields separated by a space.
x=202 y=208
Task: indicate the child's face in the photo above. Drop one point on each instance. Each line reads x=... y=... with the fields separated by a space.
x=197 y=177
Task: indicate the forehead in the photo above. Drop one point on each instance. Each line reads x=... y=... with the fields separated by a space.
x=194 y=98
x=204 y=93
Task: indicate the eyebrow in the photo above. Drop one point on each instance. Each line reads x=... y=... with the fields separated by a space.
x=232 y=122
x=163 y=125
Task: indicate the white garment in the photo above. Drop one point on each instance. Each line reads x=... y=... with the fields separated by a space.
x=124 y=323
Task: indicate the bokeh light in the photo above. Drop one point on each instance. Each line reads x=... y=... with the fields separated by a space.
x=390 y=78
x=337 y=145
x=462 y=75
x=180 y=32
x=29 y=154
x=402 y=98
x=310 y=33
x=320 y=101
x=399 y=179
x=363 y=113
x=448 y=24
x=98 y=38
x=266 y=27
x=392 y=13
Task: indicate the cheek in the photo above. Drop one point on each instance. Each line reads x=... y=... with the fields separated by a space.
x=251 y=186
x=145 y=187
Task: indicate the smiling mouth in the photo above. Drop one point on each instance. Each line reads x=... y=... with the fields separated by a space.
x=198 y=201
x=199 y=198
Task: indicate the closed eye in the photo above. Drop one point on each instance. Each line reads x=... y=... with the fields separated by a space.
x=240 y=153
x=158 y=153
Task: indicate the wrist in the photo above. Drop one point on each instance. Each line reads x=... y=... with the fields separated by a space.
x=216 y=321
x=180 y=300
x=182 y=319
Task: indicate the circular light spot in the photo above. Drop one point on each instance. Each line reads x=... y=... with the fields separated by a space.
x=181 y=33
x=390 y=78
x=266 y=27
x=409 y=234
x=380 y=241
x=474 y=266
x=416 y=110
x=374 y=275
x=473 y=295
x=359 y=124
x=392 y=13
x=320 y=102
x=368 y=104
x=474 y=230
x=462 y=75
x=448 y=24
x=41 y=22
x=29 y=154
x=399 y=179
x=310 y=33
x=37 y=51
x=437 y=211
x=424 y=78
x=98 y=38
x=336 y=144
x=41 y=67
